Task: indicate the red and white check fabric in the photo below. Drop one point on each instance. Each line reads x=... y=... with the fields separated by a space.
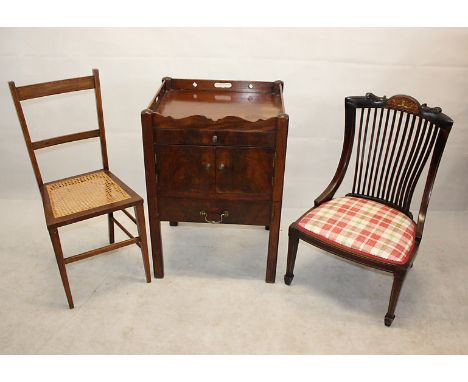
x=363 y=226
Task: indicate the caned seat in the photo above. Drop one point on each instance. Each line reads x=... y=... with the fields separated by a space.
x=84 y=192
x=83 y=196
x=393 y=140
x=363 y=227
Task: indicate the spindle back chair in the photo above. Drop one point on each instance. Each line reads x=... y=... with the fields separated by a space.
x=83 y=196
x=393 y=140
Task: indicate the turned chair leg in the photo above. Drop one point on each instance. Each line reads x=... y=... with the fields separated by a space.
x=110 y=220
x=398 y=278
x=55 y=238
x=292 y=251
x=140 y=217
x=173 y=224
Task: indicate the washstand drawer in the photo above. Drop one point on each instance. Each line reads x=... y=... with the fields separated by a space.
x=201 y=210
x=208 y=137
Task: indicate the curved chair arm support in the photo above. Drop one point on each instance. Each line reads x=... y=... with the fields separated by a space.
x=350 y=121
x=431 y=175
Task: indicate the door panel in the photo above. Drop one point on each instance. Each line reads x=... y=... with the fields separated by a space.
x=244 y=170
x=185 y=168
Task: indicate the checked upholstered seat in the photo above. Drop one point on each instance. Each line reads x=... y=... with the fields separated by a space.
x=363 y=227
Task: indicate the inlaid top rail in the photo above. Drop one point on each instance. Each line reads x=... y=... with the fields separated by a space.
x=403 y=103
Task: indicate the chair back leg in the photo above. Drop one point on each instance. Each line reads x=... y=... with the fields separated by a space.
x=55 y=238
x=398 y=278
x=140 y=217
x=292 y=251
x=110 y=219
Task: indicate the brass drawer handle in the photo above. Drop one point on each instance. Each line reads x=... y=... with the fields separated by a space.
x=214 y=138
x=225 y=214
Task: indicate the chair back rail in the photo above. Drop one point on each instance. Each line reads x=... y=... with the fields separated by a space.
x=45 y=89
x=393 y=139
x=55 y=87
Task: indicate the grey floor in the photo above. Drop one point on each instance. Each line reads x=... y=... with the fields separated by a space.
x=213 y=299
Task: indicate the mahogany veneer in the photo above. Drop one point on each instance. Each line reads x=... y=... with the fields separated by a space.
x=215 y=152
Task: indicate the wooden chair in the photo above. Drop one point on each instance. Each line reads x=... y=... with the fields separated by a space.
x=373 y=224
x=81 y=197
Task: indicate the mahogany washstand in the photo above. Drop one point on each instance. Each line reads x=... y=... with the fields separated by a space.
x=215 y=153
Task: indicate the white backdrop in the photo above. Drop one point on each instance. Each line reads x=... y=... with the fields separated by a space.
x=318 y=66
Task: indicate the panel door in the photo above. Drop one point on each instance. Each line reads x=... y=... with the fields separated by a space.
x=244 y=170
x=185 y=169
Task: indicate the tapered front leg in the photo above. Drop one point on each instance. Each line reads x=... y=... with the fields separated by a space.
x=292 y=251
x=140 y=218
x=398 y=279
x=55 y=238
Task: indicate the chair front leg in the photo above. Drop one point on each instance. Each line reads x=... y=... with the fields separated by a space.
x=140 y=217
x=398 y=278
x=292 y=251
x=55 y=238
